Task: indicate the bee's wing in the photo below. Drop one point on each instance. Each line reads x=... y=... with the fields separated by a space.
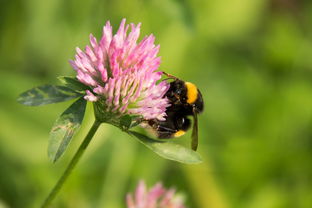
x=195 y=131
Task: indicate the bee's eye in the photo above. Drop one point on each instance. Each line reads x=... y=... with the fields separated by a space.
x=178 y=91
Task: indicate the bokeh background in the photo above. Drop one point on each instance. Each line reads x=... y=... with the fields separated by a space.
x=252 y=61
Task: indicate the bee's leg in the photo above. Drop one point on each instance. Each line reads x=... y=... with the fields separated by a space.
x=167 y=129
x=164 y=132
x=178 y=100
x=153 y=123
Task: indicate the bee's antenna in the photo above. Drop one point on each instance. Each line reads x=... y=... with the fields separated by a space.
x=169 y=76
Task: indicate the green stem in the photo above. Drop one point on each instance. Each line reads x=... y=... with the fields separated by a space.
x=72 y=164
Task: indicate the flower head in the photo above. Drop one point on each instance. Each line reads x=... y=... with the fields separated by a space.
x=123 y=73
x=156 y=197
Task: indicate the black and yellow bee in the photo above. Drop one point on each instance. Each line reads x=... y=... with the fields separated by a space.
x=185 y=100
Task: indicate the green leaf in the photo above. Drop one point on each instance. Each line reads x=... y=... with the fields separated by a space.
x=73 y=83
x=47 y=94
x=169 y=150
x=136 y=120
x=125 y=122
x=64 y=129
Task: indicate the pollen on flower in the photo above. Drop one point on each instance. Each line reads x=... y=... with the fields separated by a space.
x=122 y=72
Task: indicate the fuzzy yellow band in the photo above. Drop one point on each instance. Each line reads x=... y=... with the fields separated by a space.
x=192 y=92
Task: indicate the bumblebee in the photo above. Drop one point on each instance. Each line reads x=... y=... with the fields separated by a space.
x=185 y=100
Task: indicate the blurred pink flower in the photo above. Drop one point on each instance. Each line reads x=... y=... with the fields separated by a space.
x=156 y=197
x=122 y=72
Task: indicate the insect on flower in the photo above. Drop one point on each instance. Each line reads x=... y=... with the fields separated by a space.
x=185 y=100
x=123 y=80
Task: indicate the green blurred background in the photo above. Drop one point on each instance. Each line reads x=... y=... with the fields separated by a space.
x=252 y=60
